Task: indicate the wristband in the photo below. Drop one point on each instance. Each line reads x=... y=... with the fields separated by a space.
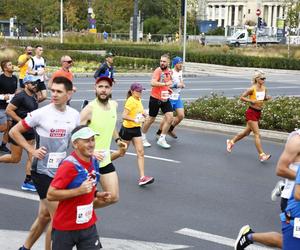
x=118 y=139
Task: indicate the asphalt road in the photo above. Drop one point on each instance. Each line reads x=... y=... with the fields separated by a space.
x=201 y=195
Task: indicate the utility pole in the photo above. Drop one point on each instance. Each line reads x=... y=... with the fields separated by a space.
x=135 y=20
x=61 y=22
x=184 y=30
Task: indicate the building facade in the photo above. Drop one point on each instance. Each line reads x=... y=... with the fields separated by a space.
x=242 y=12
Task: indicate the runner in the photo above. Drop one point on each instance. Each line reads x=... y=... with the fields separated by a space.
x=159 y=99
x=22 y=103
x=106 y=68
x=23 y=61
x=133 y=117
x=287 y=167
x=175 y=98
x=101 y=116
x=74 y=186
x=53 y=124
x=8 y=87
x=37 y=68
x=255 y=96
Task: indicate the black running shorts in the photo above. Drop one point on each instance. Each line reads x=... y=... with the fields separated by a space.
x=41 y=183
x=109 y=168
x=128 y=133
x=84 y=239
x=155 y=105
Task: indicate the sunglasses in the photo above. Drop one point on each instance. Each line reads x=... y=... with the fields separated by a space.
x=263 y=78
x=69 y=61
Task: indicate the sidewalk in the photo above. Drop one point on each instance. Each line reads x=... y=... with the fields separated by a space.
x=230 y=129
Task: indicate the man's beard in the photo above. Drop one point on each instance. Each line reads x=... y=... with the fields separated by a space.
x=103 y=101
x=163 y=67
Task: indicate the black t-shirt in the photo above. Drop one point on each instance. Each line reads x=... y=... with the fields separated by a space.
x=25 y=104
x=8 y=85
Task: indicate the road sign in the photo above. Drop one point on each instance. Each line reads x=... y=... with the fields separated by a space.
x=258 y=12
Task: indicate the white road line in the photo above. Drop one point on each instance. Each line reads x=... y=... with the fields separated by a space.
x=153 y=157
x=19 y=194
x=215 y=238
x=12 y=240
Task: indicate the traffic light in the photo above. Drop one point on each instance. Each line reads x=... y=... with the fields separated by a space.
x=260 y=22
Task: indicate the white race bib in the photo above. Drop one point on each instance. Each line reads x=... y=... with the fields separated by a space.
x=55 y=158
x=296 y=232
x=164 y=95
x=84 y=213
x=260 y=96
x=174 y=96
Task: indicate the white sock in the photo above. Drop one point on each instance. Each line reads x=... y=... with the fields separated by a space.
x=144 y=136
x=162 y=137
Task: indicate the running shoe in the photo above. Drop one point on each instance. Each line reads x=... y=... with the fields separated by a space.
x=242 y=240
x=28 y=186
x=172 y=134
x=146 y=180
x=229 y=145
x=163 y=143
x=276 y=192
x=4 y=149
x=84 y=103
x=146 y=144
x=264 y=157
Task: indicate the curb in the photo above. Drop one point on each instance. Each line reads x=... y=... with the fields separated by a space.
x=271 y=135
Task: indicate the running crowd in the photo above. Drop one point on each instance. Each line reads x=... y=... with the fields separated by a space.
x=67 y=183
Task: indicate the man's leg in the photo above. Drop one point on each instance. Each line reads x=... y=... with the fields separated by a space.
x=271 y=239
x=162 y=139
x=14 y=156
x=51 y=206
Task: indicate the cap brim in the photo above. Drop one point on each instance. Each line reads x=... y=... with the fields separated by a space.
x=104 y=78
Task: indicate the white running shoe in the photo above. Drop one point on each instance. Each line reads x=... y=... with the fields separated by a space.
x=276 y=192
x=163 y=143
x=146 y=144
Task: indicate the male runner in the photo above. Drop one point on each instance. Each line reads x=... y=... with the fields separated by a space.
x=53 y=124
x=106 y=68
x=159 y=99
x=8 y=87
x=74 y=186
x=23 y=61
x=101 y=116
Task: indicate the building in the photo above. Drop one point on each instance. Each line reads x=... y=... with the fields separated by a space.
x=238 y=13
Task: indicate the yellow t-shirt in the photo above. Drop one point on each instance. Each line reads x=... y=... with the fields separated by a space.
x=135 y=108
x=23 y=69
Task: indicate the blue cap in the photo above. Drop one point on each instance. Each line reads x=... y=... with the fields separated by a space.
x=176 y=60
x=29 y=78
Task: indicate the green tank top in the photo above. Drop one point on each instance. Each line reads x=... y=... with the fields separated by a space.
x=103 y=122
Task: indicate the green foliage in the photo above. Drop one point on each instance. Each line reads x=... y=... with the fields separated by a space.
x=281 y=113
x=220 y=31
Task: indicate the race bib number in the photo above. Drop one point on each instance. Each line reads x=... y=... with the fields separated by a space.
x=296 y=232
x=260 y=96
x=84 y=213
x=174 y=96
x=164 y=95
x=55 y=158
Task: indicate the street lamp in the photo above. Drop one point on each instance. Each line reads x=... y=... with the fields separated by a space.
x=184 y=31
x=61 y=21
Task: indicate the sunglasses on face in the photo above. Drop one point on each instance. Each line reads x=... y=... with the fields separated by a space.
x=70 y=61
x=263 y=78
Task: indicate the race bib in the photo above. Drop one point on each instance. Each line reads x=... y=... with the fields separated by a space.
x=55 y=158
x=174 y=96
x=260 y=96
x=84 y=213
x=164 y=95
x=296 y=232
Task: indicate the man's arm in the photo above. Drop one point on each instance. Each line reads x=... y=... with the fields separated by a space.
x=291 y=151
x=297 y=192
x=21 y=62
x=10 y=111
x=86 y=115
x=64 y=194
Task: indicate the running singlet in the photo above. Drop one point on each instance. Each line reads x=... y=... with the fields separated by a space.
x=161 y=92
x=135 y=108
x=39 y=66
x=53 y=129
x=23 y=69
x=176 y=78
x=258 y=95
x=103 y=122
x=293 y=207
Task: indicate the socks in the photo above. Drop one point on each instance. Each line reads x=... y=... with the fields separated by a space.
x=162 y=137
x=143 y=136
x=27 y=179
x=158 y=132
x=171 y=128
x=24 y=248
x=250 y=237
x=3 y=144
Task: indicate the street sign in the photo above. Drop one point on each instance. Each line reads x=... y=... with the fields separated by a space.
x=258 y=12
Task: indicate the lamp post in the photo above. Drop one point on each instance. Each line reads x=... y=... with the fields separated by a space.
x=61 y=21
x=184 y=30
x=135 y=20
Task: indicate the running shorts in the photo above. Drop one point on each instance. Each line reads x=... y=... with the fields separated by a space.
x=252 y=114
x=289 y=241
x=41 y=85
x=177 y=104
x=155 y=105
x=41 y=183
x=128 y=133
x=109 y=168
x=84 y=239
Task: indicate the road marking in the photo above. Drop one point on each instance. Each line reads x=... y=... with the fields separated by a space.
x=215 y=238
x=12 y=240
x=19 y=194
x=152 y=157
